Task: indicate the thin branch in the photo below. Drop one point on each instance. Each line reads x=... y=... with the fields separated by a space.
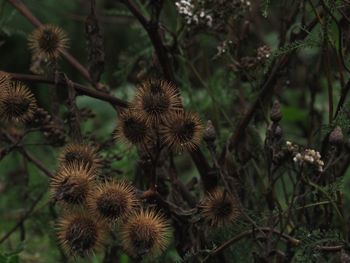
x=22 y=8
x=78 y=87
x=29 y=157
x=23 y=218
x=152 y=29
x=266 y=90
x=287 y=238
x=249 y=233
x=37 y=162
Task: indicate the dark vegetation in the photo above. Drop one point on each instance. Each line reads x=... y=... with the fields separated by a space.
x=174 y=131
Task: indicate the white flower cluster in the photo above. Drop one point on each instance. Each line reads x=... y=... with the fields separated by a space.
x=223 y=47
x=308 y=156
x=263 y=53
x=187 y=9
x=245 y=3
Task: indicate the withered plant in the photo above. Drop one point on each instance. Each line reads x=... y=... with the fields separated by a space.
x=174 y=131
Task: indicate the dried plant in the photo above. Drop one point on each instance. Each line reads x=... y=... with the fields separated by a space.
x=175 y=131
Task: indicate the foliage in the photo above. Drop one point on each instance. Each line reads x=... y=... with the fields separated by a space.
x=269 y=81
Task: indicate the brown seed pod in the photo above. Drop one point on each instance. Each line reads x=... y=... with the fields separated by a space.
x=182 y=131
x=220 y=208
x=132 y=129
x=17 y=103
x=80 y=154
x=146 y=233
x=155 y=100
x=112 y=201
x=48 y=42
x=79 y=234
x=72 y=184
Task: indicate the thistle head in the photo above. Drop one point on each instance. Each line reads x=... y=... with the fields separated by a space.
x=146 y=233
x=48 y=42
x=80 y=154
x=220 y=208
x=4 y=81
x=17 y=102
x=155 y=100
x=112 y=201
x=132 y=129
x=182 y=131
x=79 y=234
x=72 y=184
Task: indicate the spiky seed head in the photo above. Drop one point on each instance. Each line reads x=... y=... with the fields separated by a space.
x=48 y=42
x=146 y=233
x=132 y=129
x=155 y=100
x=80 y=154
x=72 y=184
x=17 y=103
x=4 y=82
x=220 y=208
x=80 y=234
x=112 y=201
x=182 y=131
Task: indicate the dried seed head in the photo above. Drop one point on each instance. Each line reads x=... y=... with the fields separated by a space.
x=4 y=81
x=48 y=42
x=182 y=131
x=132 y=129
x=145 y=233
x=112 y=201
x=336 y=137
x=79 y=234
x=209 y=134
x=276 y=114
x=220 y=208
x=17 y=103
x=72 y=184
x=80 y=154
x=155 y=100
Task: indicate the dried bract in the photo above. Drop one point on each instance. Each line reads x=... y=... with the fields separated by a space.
x=48 y=42
x=17 y=103
x=182 y=131
x=79 y=234
x=131 y=129
x=145 y=233
x=155 y=100
x=72 y=184
x=220 y=208
x=112 y=201
x=80 y=154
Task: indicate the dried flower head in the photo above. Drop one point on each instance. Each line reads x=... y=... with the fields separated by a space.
x=4 y=81
x=155 y=100
x=80 y=154
x=220 y=208
x=182 y=131
x=48 y=42
x=72 y=184
x=209 y=133
x=132 y=129
x=79 y=234
x=336 y=137
x=112 y=201
x=17 y=103
x=145 y=233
